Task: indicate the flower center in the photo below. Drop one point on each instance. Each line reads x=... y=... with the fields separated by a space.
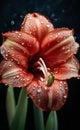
x=41 y=66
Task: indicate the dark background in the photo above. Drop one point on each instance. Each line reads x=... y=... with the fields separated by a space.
x=62 y=13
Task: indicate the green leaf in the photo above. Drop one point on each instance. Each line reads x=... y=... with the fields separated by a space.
x=18 y=122
x=10 y=104
x=38 y=118
x=52 y=122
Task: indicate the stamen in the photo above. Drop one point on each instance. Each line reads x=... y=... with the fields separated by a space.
x=43 y=67
x=48 y=77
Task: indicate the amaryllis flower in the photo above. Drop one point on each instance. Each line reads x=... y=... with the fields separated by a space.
x=40 y=58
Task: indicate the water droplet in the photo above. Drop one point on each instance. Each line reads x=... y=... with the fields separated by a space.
x=34 y=85
x=60 y=83
x=6 y=84
x=16 y=32
x=55 y=19
x=11 y=48
x=55 y=70
x=53 y=15
x=6 y=58
x=21 y=79
x=19 y=34
x=6 y=54
x=33 y=88
x=24 y=84
x=39 y=89
x=12 y=22
x=63 y=48
x=65 y=96
x=42 y=22
x=39 y=100
x=11 y=59
x=59 y=34
x=78 y=77
x=63 y=11
x=21 y=16
x=17 y=76
x=10 y=65
x=48 y=25
x=22 y=43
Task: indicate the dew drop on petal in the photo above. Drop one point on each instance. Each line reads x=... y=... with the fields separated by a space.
x=33 y=88
x=30 y=17
x=24 y=85
x=6 y=54
x=11 y=59
x=19 y=35
x=63 y=48
x=65 y=96
x=17 y=76
x=11 y=48
x=42 y=22
x=6 y=84
x=16 y=32
x=39 y=89
x=39 y=100
x=78 y=77
x=60 y=83
x=48 y=25
x=22 y=43
x=10 y=65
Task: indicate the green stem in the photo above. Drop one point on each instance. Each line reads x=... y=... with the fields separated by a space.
x=38 y=118
x=52 y=121
x=18 y=122
x=10 y=104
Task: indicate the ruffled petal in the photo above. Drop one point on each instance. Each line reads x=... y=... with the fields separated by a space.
x=48 y=98
x=14 y=75
x=36 y=25
x=58 y=46
x=67 y=70
x=24 y=40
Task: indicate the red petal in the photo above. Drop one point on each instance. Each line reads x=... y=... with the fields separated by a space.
x=67 y=70
x=12 y=74
x=36 y=25
x=58 y=46
x=11 y=50
x=48 y=98
x=55 y=37
x=27 y=41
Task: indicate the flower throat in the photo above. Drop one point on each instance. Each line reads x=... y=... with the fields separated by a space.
x=41 y=66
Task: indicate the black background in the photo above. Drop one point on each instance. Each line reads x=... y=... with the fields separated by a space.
x=62 y=13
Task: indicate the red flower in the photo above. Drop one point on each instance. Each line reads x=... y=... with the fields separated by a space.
x=40 y=58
